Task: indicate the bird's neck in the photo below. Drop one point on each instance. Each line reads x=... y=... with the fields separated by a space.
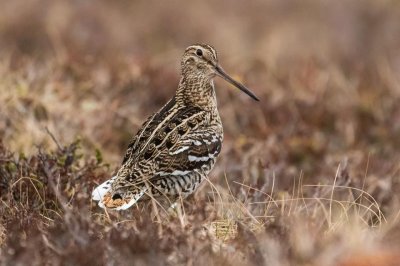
x=197 y=90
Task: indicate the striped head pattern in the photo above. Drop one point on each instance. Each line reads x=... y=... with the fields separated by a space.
x=200 y=61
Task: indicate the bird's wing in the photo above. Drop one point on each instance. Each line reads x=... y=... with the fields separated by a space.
x=193 y=151
x=183 y=141
x=145 y=131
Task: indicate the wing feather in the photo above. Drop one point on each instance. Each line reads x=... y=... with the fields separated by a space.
x=183 y=143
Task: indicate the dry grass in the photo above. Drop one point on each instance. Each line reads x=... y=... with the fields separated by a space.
x=309 y=176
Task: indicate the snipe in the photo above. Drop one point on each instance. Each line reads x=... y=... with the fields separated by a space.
x=176 y=147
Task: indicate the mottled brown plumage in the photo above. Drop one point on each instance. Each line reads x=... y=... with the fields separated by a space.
x=176 y=147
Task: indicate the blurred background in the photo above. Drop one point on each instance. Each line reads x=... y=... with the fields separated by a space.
x=327 y=74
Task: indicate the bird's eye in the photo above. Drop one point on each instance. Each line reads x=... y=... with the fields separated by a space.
x=199 y=52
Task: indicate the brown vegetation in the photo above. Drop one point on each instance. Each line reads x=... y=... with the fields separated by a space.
x=308 y=176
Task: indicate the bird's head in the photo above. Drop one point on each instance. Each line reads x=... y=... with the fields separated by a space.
x=200 y=60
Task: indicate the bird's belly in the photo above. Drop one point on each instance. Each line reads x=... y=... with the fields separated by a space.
x=181 y=183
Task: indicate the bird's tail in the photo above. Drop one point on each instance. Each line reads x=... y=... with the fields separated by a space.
x=102 y=189
x=103 y=195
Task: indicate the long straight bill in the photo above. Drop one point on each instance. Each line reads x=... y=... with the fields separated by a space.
x=238 y=85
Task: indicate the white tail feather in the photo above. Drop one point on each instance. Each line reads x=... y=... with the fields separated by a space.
x=99 y=192
x=132 y=201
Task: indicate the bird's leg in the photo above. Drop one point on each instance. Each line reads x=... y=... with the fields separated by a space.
x=176 y=210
